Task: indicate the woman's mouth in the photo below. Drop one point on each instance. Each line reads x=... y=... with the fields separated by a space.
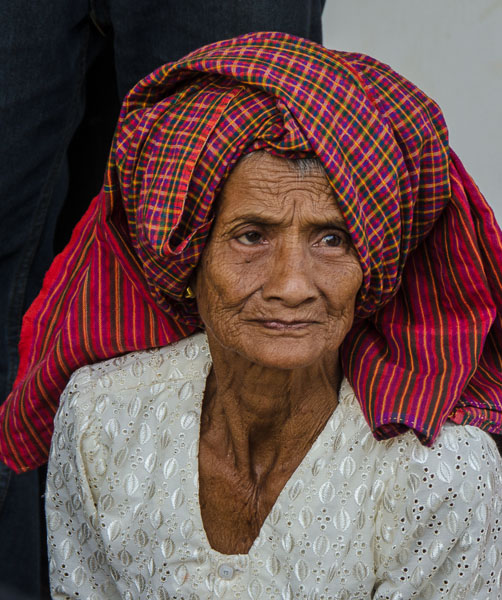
x=282 y=325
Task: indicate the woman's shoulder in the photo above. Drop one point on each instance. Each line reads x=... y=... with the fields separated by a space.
x=428 y=504
x=459 y=475
x=137 y=373
x=126 y=405
x=462 y=458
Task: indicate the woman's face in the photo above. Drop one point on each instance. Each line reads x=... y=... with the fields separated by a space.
x=278 y=279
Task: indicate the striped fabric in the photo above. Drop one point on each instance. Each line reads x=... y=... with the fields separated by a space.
x=427 y=341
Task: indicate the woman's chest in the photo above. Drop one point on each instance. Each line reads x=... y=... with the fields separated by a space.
x=233 y=505
x=316 y=537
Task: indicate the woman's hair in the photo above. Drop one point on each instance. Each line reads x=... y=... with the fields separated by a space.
x=303 y=166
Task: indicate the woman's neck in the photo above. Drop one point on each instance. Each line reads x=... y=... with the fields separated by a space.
x=262 y=420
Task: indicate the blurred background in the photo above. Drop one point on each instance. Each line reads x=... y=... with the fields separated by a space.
x=452 y=49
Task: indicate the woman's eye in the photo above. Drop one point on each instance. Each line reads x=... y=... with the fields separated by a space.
x=332 y=240
x=250 y=238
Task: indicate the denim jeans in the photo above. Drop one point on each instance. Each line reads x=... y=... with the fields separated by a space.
x=45 y=50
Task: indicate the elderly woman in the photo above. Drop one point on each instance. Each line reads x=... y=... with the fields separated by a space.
x=299 y=265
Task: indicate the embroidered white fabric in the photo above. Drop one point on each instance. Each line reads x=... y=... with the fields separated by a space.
x=358 y=518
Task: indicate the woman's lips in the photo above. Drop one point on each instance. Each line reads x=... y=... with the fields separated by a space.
x=280 y=325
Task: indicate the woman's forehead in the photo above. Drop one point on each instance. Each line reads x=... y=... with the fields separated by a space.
x=266 y=184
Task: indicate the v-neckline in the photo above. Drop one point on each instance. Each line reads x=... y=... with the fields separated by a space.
x=284 y=491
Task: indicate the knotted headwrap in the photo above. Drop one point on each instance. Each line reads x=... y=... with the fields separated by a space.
x=427 y=341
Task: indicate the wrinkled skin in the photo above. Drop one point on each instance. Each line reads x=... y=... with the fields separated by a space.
x=276 y=290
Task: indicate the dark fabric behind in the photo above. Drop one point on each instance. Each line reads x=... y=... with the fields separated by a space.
x=88 y=151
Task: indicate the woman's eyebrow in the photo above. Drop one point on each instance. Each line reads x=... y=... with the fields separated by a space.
x=252 y=218
x=255 y=219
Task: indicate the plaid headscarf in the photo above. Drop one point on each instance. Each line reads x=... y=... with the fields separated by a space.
x=426 y=344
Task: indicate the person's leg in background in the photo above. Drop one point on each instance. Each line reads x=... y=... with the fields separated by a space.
x=43 y=55
x=150 y=33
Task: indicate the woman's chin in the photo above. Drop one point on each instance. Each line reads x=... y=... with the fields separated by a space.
x=283 y=353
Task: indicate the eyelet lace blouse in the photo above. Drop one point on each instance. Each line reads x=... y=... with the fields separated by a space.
x=357 y=519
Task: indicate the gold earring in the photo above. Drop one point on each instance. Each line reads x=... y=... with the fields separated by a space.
x=189 y=294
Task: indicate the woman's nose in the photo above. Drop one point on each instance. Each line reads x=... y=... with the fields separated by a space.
x=289 y=276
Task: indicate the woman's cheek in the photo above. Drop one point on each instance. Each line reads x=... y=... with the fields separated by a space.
x=341 y=282
x=238 y=278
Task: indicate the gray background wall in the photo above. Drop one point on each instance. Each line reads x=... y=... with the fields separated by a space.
x=452 y=49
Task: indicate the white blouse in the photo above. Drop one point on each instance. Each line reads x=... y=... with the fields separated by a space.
x=357 y=519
